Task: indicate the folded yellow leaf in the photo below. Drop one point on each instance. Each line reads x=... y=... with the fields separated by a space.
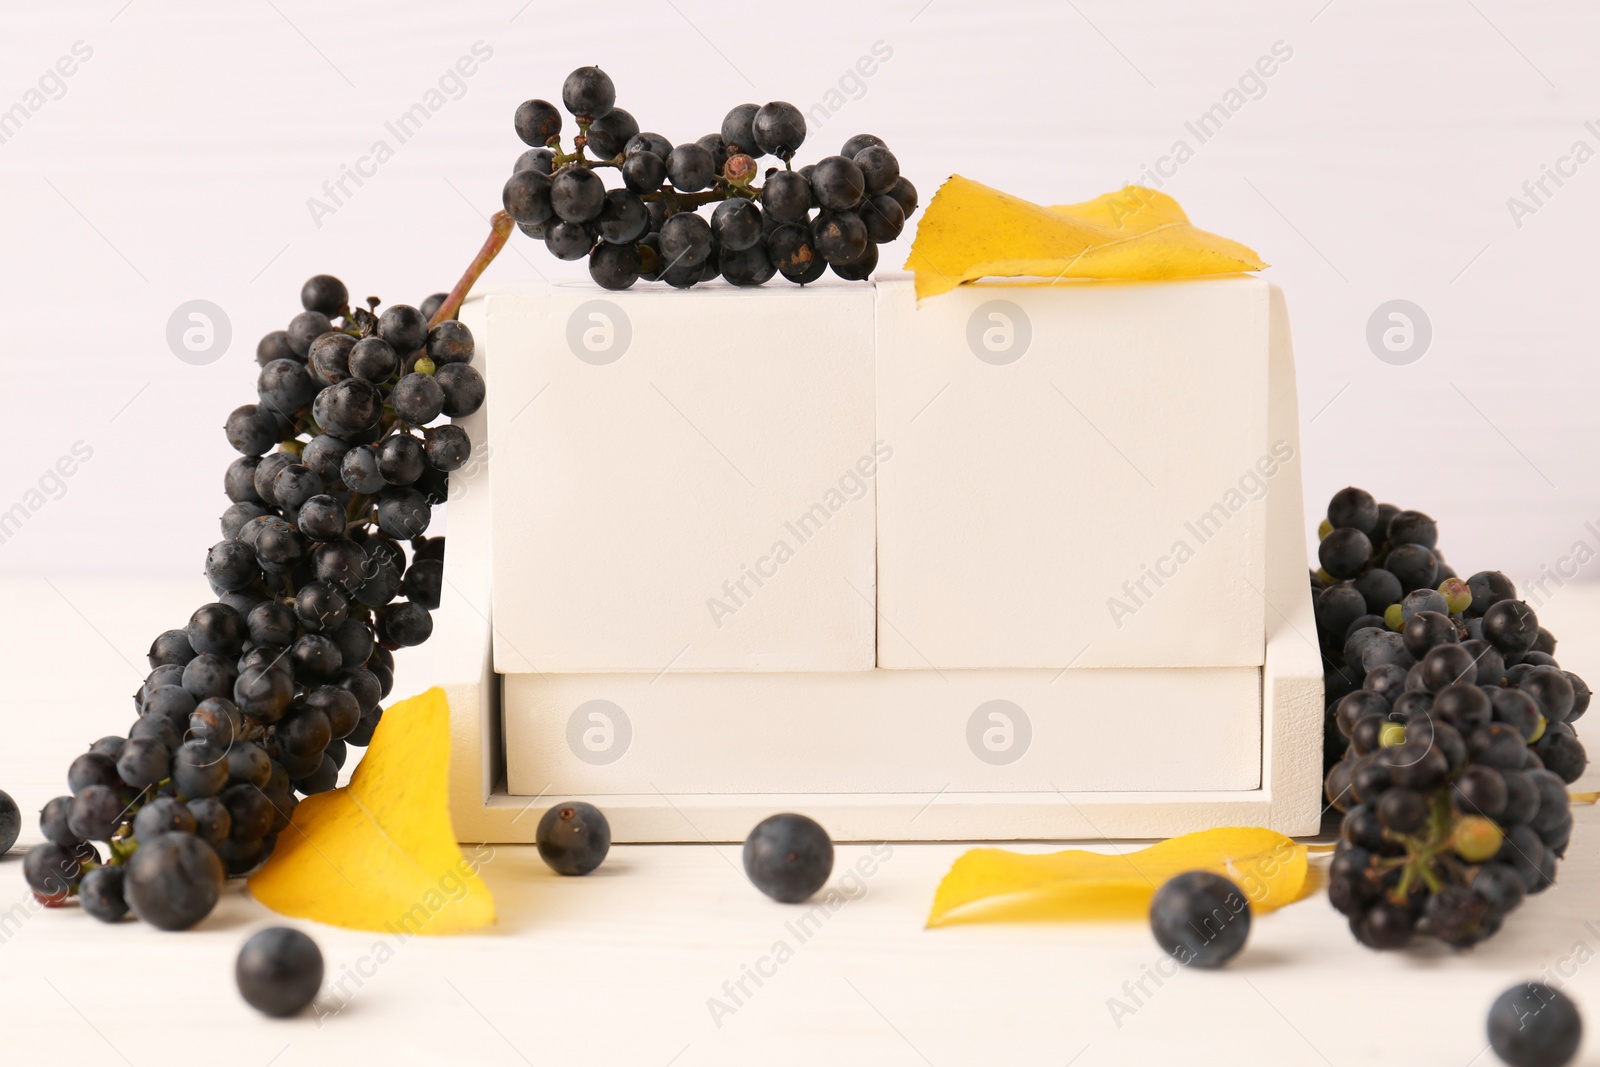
x=971 y=231
x=994 y=885
x=380 y=854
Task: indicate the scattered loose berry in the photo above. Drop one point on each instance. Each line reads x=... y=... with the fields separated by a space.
x=279 y=971
x=573 y=838
x=1200 y=919
x=788 y=857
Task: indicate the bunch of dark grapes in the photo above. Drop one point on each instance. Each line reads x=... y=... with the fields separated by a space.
x=259 y=696
x=1449 y=732
x=797 y=223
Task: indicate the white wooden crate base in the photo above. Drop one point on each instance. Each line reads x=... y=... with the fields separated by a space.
x=881 y=754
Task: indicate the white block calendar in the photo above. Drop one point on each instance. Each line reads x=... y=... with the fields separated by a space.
x=1026 y=561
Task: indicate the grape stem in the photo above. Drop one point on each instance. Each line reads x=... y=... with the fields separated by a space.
x=500 y=227
x=676 y=201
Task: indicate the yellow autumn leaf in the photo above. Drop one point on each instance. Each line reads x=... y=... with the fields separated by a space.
x=971 y=231
x=379 y=853
x=994 y=885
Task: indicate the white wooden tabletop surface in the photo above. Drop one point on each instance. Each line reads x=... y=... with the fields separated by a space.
x=641 y=962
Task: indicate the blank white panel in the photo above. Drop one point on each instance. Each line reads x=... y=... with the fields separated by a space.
x=884 y=732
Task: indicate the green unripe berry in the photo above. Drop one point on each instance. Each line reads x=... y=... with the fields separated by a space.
x=1457 y=594
x=1476 y=839
x=1393 y=618
x=1392 y=734
x=1538 y=731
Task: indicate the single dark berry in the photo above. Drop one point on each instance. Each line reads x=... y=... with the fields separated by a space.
x=860 y=143
x=788 y=857
x=623 y=218
x=691 y=167
x=904 y=194
x=1200 y=918
x=274 y=345
x=1510 y=626
x=348 y=408
x=1344 y=552
x=539 y=159
x=450 y=342
x=100 y=893
x=1413 y=528
x=404 y=624
x=574 y=838
x=577 y=194
x=879 y=167
x=163 y=815
x=526 y=197
x=305 y=328
x=10 y=822
x=1552 y=690
x=403 y=327
x=838 y=183
x=1533 y=1025
x=537 y=121
x=1415 y=566
x=173 y=881
x=610 y=132
x=736 y=225
x=251 y=430
x=738 y=129
x=279 y=971
x=860 y=268
x=685 y=240
x=1355 y=508
x=372 y=359
x=568 y=240
x=779 y=129
x=1385 y=926
x=1488 y=589
x=884 y=219
x=643 y=172
x=417 y=399
x=749 y=266
x=588 y=93
x=463 y=387
x=1380 y=588
x=52 y=870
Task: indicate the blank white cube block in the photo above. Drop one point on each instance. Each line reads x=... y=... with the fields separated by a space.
x=1077 y=477
x=683 y=480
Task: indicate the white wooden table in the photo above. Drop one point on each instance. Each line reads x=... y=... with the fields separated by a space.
x=629 y=965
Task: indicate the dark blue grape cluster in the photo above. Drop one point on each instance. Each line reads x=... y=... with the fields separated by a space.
x=1449 y=736
x=799 y=223
x=258 y=698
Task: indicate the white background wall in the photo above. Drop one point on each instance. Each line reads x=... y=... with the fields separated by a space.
x=1375 y=164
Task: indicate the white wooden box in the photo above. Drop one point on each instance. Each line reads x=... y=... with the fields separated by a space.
x=973 y=681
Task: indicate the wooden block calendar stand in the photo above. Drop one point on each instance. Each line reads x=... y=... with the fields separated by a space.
x=925 y=732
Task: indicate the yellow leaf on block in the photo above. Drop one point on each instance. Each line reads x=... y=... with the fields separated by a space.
x=994 y=885
x=380 y=854
x=971 y=231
